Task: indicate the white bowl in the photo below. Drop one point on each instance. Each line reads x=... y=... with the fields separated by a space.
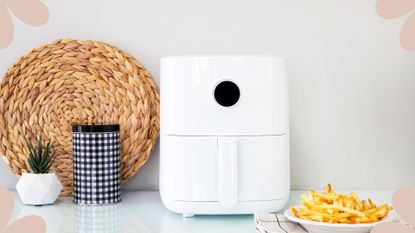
x=323 y=227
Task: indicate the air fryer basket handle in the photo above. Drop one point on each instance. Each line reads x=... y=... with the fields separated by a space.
x=228 y=171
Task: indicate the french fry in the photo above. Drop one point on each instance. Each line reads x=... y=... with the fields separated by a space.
x=381 y=211
x=365 y=206
x=317 y=218
x=332 y=207
x=345 y=210
x=357 y=201
x=328 y=188
x=371 y=204
x=294 y=211
x=305 y=198
x=324 y=196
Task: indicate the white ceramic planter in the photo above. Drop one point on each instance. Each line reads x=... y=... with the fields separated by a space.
x=39 y=189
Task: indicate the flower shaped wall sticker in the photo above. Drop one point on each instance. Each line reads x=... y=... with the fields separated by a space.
x=404 y=203
x=32 y=12
x=31 y=223
x=391 y=9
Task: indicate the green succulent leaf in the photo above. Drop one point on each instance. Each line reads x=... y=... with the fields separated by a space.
x=31 y=148
x=40 y=159
x=39 y=145
x=31 y=164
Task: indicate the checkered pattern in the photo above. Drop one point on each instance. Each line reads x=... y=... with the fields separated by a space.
x=96 y=168
x=101 y=219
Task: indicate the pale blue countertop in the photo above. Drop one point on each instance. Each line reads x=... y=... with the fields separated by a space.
x=142 y=211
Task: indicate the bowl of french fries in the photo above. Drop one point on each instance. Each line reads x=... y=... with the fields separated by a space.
x=330 y=211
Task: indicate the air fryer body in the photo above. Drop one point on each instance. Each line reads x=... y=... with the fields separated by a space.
x=224 y=134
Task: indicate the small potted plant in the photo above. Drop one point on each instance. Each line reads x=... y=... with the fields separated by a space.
x=39 y=186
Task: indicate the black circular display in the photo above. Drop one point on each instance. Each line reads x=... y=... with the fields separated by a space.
x=227 y=93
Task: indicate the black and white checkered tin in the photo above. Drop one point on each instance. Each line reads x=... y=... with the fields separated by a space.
x=96 y=164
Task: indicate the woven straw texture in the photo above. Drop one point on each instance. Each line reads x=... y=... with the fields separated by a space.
x=72 y=82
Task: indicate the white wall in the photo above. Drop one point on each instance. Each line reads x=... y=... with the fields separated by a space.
x=352 y=86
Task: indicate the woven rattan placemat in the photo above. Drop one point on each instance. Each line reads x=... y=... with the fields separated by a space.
x=72 y=82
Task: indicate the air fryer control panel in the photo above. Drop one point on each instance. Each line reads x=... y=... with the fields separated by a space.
x=219 y=95
x=227 y=93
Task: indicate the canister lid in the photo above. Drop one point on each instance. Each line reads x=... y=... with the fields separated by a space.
x=95 y=128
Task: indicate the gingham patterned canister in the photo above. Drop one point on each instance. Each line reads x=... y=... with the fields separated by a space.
x=96 y=164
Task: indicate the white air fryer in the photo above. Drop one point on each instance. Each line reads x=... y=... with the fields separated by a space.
x=224 y=134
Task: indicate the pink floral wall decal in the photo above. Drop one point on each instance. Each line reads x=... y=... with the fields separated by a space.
x=31 y=223
x=390 y=9
x=404 y=203
x=32 y=12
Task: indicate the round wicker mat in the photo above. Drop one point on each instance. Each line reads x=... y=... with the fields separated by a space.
x=72 y=82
